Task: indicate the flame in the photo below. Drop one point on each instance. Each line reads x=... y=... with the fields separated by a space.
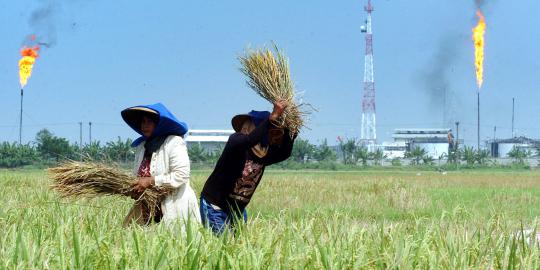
x=26 y=63
x=478 y=37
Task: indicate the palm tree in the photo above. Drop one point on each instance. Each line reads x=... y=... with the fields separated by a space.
x=378 y=156
x=349 y=151
x=427 y=159
x=519 y=155
x=302 y=150
x=482 y=156
x=323 y=152
x=93 y=151
x=362 y=154
x=119 y=150
x=197 y=153
x=469 y=155
x=416 y=155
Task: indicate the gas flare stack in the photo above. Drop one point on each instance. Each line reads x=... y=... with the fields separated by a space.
x=26 y=64
x=479 y=41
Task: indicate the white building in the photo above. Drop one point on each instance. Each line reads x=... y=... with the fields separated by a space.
x=501 y=148
x=435 y=141
x=209 y=139
x=394 y=149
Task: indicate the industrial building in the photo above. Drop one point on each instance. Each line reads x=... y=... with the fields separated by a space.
x=209 y=139
x=435 y=141
x=500 y=148
x=394 y=149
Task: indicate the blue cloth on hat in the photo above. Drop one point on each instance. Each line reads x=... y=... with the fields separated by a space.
x=257 y=117
x=168 y=124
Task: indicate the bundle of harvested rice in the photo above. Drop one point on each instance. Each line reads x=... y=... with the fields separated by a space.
x=268 y=75
x=89 y=180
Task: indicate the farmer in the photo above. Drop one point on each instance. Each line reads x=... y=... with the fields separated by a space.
x=161 y=159
x=257 y=143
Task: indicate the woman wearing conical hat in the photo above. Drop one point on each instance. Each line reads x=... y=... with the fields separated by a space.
x=161 y=159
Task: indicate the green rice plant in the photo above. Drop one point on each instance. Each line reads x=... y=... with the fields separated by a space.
x=297 y=220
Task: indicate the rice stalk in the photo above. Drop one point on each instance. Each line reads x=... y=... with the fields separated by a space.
x=269 y=76
x=76 y=180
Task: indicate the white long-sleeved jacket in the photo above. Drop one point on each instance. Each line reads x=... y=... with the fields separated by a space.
x=170 y=166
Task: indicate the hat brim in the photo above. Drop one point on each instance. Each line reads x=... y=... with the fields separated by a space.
x=132 y=116
x=238 y=120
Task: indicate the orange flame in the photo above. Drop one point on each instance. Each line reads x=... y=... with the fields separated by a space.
x=26 y=63
x=478 y=37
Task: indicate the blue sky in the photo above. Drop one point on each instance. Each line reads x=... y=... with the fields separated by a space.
x=109 y=55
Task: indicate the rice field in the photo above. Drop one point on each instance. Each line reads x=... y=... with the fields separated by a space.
x=297 y=220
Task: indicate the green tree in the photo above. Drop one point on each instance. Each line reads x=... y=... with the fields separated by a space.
x=416 y=155
x=469 y=155
x=348 y=150
x=213 y=156
x=52 y=147
x=197 y=153
x=119 y=150
x=378 y=156
x=16 y=155
x=302 y=150
x=362 y=154
x=519 y=155
x=427 y=160
x=453 y=156
x=323 y=152
x=482 y=156
x=94 y=151
x=396 y=162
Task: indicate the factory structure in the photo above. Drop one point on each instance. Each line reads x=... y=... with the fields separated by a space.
x=208 y=139
x=437 y=142
x=434 y=141
x=500 y=148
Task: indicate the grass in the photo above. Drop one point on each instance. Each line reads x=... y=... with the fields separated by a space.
x=297 y=219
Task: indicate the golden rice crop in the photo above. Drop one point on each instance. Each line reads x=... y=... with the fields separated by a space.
x=268 y=75
x=75 y=179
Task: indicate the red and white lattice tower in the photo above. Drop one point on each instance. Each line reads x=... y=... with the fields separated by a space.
x=368 y=133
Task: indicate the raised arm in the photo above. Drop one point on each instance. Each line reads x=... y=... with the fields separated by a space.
x=243 y=141
x=281 y=152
